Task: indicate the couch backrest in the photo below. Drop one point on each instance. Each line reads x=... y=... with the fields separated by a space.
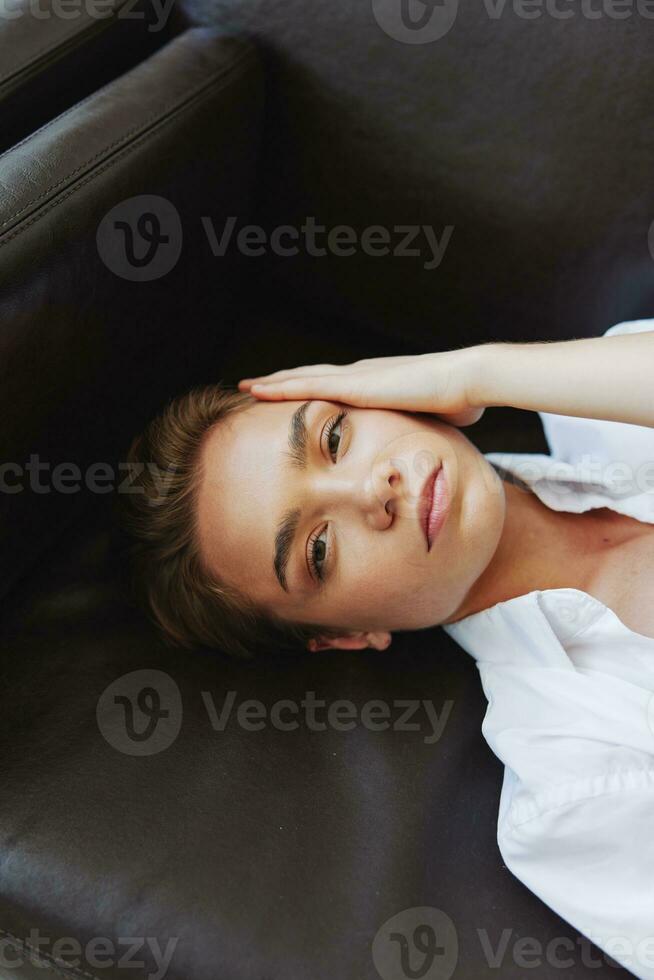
x=524 y=129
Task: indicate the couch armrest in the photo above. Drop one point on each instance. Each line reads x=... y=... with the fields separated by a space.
x=85 y=351
x=52 y=55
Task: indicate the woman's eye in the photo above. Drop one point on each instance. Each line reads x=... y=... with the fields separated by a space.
x=334 y=434
x=317 y=544
x=317 y=553
x=334 y=439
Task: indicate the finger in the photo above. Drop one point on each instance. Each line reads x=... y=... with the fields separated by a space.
x=284 y=373
x=329 y=387
x=313 y=370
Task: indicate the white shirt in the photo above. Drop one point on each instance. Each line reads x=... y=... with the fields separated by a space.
x=571 y=705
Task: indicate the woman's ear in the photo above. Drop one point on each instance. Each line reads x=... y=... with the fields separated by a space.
x=351 y=641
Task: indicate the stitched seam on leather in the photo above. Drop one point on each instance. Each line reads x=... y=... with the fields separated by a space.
x=63 y=38
x=96 y=173
x=67 y=112
x=63 y=971
x=62 y=115
x=188 y=97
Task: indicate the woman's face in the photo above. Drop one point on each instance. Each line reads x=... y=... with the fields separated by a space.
x=312 y=510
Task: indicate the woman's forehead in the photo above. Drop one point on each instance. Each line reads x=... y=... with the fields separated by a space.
x=241 y=489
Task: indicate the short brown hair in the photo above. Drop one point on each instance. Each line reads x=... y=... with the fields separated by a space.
x=188 y=604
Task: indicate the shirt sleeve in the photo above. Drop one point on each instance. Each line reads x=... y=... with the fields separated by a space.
x=577 y=816
x=591 y=859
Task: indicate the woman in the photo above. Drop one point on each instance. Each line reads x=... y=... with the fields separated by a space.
x=325 y=506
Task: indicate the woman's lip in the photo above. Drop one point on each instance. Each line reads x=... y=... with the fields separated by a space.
x=434 y=503
x=439 y=507
x=426 y=501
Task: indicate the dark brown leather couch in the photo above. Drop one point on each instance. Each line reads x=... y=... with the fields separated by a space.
x=139 y=837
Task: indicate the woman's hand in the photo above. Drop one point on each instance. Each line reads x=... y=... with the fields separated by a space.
x=607 y=377
x=443 y=383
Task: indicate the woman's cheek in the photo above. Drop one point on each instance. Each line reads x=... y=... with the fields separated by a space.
x=373 y=591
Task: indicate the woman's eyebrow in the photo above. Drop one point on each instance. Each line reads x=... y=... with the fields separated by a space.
x=284 y=545
x=298 y=439
x=298 y=436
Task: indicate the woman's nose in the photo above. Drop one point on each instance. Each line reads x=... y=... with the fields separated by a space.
x=374 y=492
x=382 y=492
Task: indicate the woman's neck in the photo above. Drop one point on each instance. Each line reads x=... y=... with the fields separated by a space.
x=541 y=548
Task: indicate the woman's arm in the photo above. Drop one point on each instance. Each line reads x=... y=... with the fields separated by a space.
x=597 y=377
x=609 y=377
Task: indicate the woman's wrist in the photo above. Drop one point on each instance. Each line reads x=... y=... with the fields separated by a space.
x=594 y=377
x=484 y=373
x=532 y=375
